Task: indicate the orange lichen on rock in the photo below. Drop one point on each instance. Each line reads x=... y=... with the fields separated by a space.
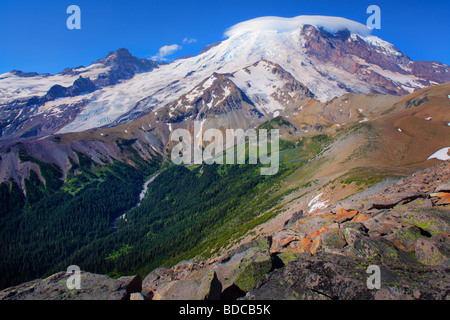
x=344 y=215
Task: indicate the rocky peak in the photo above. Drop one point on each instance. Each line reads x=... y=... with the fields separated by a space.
x=368 y=57
x=123 y=65
x=27 y=74
x=431 y=70
x=80 y=86
x=122 y=52
x=210 y=46
x=341 y=48
x=213 y=95
x=123 y=57
x=216 y=100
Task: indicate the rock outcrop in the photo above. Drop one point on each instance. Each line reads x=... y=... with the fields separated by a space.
x=92 y=287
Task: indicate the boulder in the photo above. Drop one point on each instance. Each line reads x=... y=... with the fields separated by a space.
x=151 y=281
x=317 y=243
x=443 y=198
x=334 y=238
x=317 y=233
x=313 y=223
x=388 y=200
x=136 y=296
x=419 y=203
x=282 y=239
x=244 y=269
x=405 y=238
x=348 y=206
x=443 y=187
x=433 y=221
x=295 y=217
x=344 y=215
x=200 y=285
x=304 y=245
x=360 y=217
x=429 y=253
x=360 y=227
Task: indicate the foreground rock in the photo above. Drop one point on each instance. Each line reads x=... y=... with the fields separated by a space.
x=227 y=278
x=336 y=277
x=92 y=287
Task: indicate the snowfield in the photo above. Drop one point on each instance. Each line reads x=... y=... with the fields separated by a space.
x=441 y=154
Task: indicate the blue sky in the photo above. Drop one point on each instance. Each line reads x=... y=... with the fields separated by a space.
x=34 y=36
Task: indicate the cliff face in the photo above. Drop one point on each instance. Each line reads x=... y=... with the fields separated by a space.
x=401 y=227
x=368 y=58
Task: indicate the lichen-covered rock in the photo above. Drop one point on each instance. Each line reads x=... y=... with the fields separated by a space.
x=137 y=296
x=316 y=245
x=360 y=217
x=282 y=239
x=429 y=252
x=328 y=276
x=433 y=220
x=406 y=238
x=344 y=215
x=151 y=281
x=287 y=256
x=371 y=249
x=334 y=238
x=313 y=223
x=321 y=277
x=244 y=269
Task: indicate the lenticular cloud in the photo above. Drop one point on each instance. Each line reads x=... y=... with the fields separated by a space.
x=332 y=24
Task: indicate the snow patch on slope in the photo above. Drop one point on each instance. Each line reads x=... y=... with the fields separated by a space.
x=441 y=154
x=315 y=204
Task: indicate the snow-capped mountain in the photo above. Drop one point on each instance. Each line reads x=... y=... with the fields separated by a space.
x=274 y=62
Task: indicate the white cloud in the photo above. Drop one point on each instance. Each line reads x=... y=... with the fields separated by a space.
x=279 y=24
x=189 y=40
x=166 y=51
